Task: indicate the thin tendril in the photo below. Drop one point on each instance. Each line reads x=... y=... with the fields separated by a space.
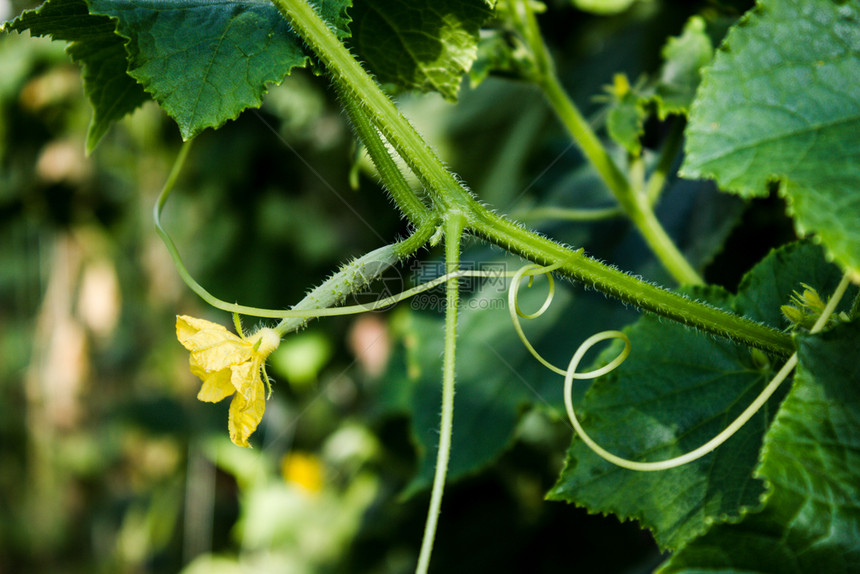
x=238 y=309
x=514 y=309
x=570 y=374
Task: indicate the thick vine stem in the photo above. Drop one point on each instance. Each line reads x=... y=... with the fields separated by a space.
x=355 y=83
x=646 y=296
x=454 y=226
x=447 y=193
x=413 y=208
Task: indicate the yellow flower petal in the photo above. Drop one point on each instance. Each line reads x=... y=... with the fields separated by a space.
x=216 y=386
x=186 y=326
x=245 y=378
x=223 y=356
x=212 y=346
x=245 y=415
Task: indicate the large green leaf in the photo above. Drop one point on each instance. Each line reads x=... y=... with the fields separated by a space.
x=675 y=392
x=780 y=102
x=426 y=45
x=203 y=61
x=810 y=522
x=94 y=45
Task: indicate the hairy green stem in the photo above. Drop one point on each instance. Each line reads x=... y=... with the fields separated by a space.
x=454 y=225
x=419 y=238
x=630 y=289
x=355 y=83
x=447 y=195
x=412 y=206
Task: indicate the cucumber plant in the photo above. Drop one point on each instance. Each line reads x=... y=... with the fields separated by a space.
x=696 y=434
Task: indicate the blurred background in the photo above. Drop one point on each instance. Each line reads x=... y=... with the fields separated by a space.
x=108 y=463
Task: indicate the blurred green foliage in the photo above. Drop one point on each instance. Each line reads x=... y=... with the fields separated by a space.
x=108 y=462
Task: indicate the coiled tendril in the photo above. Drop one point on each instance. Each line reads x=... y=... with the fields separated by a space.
x=571 y=373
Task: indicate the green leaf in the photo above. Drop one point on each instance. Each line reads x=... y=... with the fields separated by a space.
x=204 y=62
x=501 y=53
x=426 y=45
x=661 y=404
x=99 y=51
x=780 y=102
x=810 y=460
x=778 y=276
x=625 y=120
x=670 y=93
x=683 y=58
x=676 y=391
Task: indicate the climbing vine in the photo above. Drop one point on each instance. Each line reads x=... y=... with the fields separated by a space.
x=689 y=425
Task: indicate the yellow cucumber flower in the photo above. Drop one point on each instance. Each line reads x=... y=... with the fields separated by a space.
x=228 y=364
